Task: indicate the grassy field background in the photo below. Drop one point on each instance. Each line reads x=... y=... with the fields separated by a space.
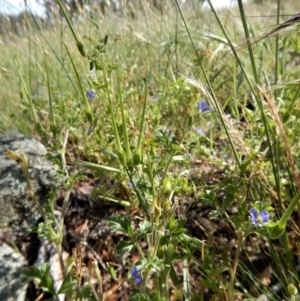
x=160 y=41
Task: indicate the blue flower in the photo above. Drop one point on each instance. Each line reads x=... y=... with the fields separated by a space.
x=200 y=132
x=259 y=219
x=203 y=107
x=90 y=94
x=136 y=275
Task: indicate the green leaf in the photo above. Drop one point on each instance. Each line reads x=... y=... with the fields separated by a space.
x=68 y=285
x=174 y=277
x=86 y=292
x=41 y=276
x=144 y=226
x=208 y=284
x=117 y=223
x=125 y=246
x=111 y=271
x=164 y=240
x=179 y=231
x=97 y=167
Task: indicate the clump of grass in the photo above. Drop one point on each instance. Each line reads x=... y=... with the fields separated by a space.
x=143 y=100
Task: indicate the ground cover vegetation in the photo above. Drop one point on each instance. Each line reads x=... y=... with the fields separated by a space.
x=180 y=127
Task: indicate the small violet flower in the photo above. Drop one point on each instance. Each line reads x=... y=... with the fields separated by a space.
x=136 y=275
x=259 y=219
x=90 y=94
x=200 y=132
x=203 y=107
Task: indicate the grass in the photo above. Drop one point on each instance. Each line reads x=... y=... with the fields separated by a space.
x=144 y=129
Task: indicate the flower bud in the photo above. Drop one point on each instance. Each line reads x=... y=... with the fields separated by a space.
x=292 y=289
x=137 y=158
x=167 y=186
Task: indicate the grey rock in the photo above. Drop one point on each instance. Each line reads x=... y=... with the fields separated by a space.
x=18 y=210
x=11 y=267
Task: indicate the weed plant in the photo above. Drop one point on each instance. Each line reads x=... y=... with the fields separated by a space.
x=196 y=113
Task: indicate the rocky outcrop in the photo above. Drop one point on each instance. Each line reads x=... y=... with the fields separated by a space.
x=11 y=267
x=18 y=210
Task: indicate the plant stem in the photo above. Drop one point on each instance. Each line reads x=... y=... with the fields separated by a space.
x=240 y=235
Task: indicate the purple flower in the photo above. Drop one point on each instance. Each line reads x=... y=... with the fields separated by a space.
x=203 y=107
x=200 y=132
x=259 y=219
x=136 y=275
x=90 y=94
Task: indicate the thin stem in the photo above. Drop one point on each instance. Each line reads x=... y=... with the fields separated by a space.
x=240 y=235
x=126 y=139
x=282 y=222
x=65 y=202
x=78 y=42
x=141 y=131
x=99 y=278
x=207 y=81
x=110 y=108
x=277 y=47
